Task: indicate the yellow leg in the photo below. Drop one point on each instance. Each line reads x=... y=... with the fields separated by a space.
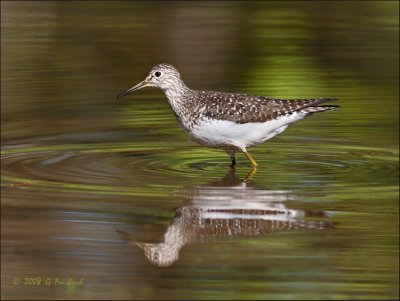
x=250 y=175
x=253 y=163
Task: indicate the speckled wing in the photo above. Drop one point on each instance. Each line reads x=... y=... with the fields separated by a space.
x=242 y=108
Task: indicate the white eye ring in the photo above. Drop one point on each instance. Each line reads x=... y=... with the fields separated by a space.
x=157 y=74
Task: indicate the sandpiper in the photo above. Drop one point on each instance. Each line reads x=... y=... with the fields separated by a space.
x=228 y=121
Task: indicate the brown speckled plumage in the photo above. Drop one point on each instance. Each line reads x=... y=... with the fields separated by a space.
x=242 y=108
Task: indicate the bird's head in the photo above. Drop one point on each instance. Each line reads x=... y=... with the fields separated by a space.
x=163 y=76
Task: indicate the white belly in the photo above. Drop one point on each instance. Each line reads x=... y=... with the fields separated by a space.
x=223 y=133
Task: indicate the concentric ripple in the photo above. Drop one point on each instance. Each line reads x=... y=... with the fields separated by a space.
x=116 y=168
x=120 y=168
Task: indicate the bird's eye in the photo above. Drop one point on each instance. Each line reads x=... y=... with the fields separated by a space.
x=157 y=74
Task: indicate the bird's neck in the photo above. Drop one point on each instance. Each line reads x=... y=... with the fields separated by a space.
x=179 y=97
x=176 y=92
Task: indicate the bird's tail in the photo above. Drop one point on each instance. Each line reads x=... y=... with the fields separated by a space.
x=311 y=110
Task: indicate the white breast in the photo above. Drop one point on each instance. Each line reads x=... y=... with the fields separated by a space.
x=220 y=133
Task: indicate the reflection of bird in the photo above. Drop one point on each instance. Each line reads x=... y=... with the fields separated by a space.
x=225 y=120
x=161 y=254
x=230 y=208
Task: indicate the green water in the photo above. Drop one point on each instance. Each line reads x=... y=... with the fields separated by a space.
x=85 y=177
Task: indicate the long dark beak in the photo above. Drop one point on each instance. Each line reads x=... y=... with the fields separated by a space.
x=137 y=87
